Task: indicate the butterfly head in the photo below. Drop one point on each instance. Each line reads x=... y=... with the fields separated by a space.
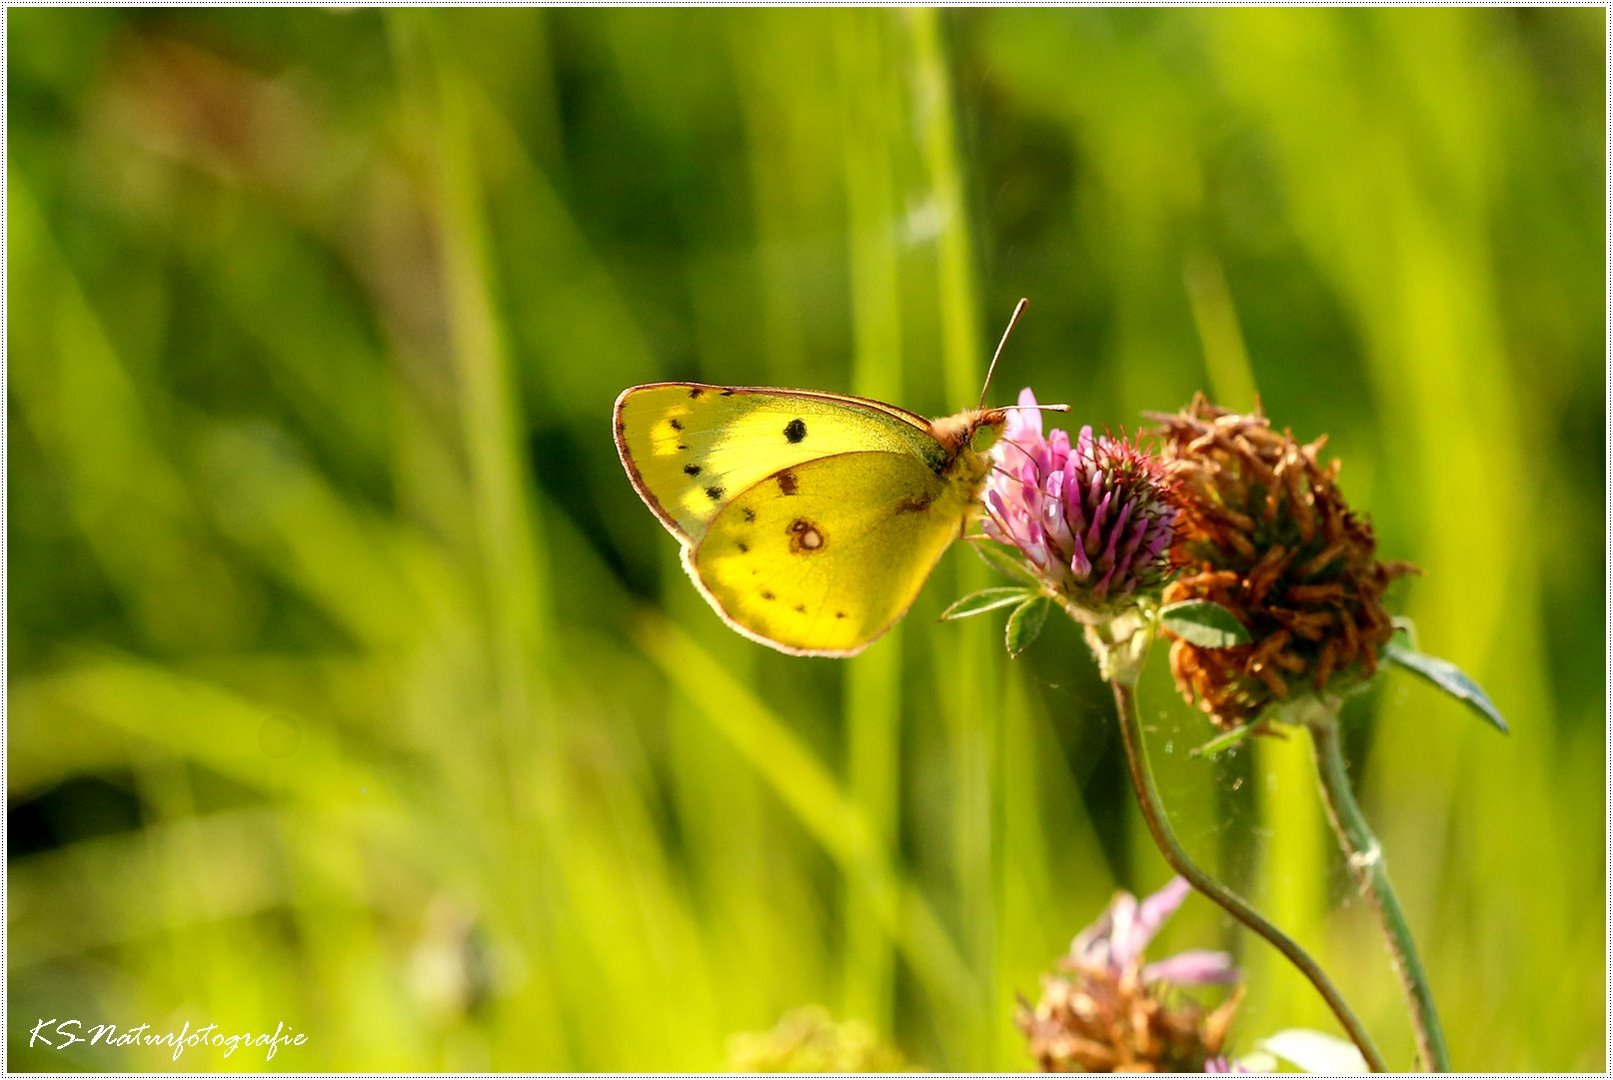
x=975 y=430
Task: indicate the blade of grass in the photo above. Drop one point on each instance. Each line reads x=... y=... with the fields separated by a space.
x=874 y=681
x=807 y=788
x=968 y=692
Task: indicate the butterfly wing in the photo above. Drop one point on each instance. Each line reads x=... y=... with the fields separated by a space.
x=821 y=558
x=690 y=448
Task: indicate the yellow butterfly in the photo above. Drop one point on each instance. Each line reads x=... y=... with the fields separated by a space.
x=808 y=520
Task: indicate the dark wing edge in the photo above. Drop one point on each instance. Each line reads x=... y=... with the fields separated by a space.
x=619 y=434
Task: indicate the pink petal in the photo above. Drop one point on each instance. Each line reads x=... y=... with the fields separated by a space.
x=1197 y=967
x=1161 y=906
x=1026 y=419
x=1080 y=565
x=1126 y=938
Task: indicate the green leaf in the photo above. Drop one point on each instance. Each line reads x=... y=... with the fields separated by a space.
x=1451 y=679
x=978 y=603
x=1025 y=624
x=1205 y=624
x=996 y=556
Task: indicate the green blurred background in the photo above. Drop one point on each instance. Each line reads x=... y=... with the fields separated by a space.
x=353 y=688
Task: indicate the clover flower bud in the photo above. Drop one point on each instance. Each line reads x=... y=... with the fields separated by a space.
x=1265 y=533
x=1106 y=1010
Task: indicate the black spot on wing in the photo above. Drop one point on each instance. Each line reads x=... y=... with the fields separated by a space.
x=692 y=470
x=696 y=391
x=677 y=425
x=750 y=515
x=766 y=595
x=805 y=537
x=801 y=608
x=728 y=393
x=742 y=546
x=714 y=493
x=795 y=430
x=916 y=506
x=787 y=483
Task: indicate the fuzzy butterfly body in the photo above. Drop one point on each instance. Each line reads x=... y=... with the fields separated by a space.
x=810 y=521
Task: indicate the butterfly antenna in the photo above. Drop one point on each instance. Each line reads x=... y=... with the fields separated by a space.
x=1019 y=309
x=1060 y=408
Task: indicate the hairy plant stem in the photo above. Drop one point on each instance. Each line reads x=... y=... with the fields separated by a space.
x=1365 y=859
x=1122 y=677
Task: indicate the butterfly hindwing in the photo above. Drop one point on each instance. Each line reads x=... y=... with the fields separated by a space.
x=690 y=448
x=822 y=557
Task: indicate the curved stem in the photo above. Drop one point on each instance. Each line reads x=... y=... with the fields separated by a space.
x=1365 y=859
x=1153 y=810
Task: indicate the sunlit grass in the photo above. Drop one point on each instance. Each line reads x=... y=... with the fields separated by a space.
x=352 y=687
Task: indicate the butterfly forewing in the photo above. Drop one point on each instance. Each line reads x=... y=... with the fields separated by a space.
x=822 y=557
x=690 y=449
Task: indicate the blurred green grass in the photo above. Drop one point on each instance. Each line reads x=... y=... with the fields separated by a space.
x=352 y=687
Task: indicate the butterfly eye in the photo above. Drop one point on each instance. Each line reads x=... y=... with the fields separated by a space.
x=984 y=437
